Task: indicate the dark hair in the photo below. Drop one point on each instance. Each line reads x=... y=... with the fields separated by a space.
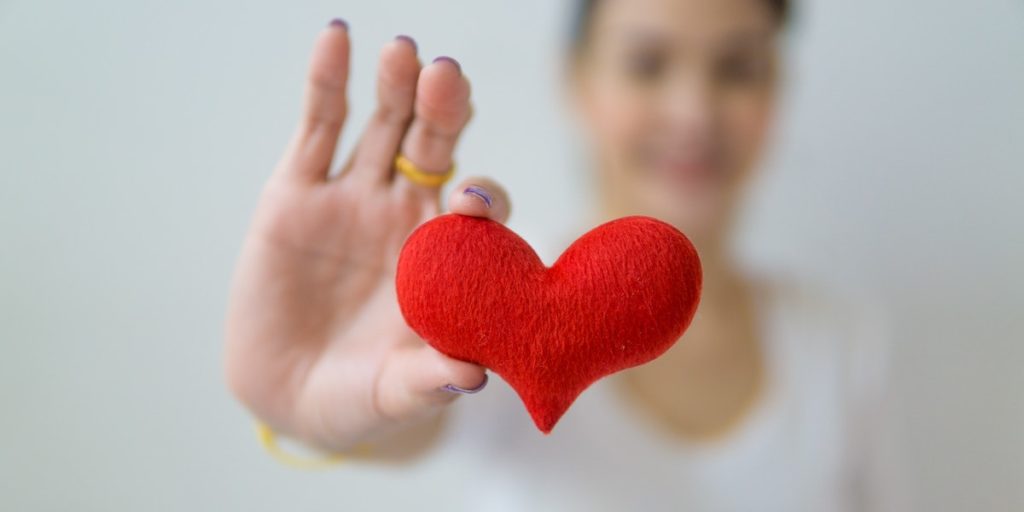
x=585 y=11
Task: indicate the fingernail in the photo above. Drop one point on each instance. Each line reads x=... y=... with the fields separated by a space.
x=403 y=37
x=338 y=23
x=480 y=192
x=451 y=388
x=449 y=59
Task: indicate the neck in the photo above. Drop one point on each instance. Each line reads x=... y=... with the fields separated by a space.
x=723 y=283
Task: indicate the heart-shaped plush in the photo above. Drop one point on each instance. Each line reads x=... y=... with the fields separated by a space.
x=618 y=297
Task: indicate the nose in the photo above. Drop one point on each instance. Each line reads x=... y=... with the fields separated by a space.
x=688 y=106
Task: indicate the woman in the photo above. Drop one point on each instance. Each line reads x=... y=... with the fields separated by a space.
x=769 y=401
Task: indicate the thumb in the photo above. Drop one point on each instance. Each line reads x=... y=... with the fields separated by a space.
x=416 y=379
x=480 y=197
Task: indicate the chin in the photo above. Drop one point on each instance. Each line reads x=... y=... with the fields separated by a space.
x=699 y=214
x=700 y=227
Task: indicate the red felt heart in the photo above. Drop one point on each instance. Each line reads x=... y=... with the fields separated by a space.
x=618 y=297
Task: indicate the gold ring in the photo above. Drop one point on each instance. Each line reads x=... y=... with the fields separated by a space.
x=421 y=177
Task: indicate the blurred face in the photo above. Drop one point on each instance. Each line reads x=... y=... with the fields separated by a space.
x=676 y=96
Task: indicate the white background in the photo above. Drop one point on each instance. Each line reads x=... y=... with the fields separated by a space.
x=134 y=137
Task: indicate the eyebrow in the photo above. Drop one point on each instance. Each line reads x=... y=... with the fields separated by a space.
x=738 y=39
x=748 y=38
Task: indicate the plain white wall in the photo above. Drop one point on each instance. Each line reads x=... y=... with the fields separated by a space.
x=134 y=137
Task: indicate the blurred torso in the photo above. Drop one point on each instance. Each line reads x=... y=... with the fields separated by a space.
x=796 y=449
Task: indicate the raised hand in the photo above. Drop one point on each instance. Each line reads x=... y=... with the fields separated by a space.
x=315 y=343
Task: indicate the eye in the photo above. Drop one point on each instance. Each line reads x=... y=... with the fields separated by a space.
x=645 y=65
x=744 y=68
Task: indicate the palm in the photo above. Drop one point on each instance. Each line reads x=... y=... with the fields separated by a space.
x=316 y=344
x=320 y=274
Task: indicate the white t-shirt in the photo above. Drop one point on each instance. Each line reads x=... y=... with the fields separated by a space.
x=814 y=441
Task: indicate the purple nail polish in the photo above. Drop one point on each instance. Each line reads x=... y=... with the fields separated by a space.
x=449 y=59
x=410 y=40
x=338 y=23
x=480 y=192
x=451 y=388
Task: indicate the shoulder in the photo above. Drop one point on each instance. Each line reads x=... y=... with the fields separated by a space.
x=813 y=302
x=806 y=301
x=846 y=325
x=845 y=331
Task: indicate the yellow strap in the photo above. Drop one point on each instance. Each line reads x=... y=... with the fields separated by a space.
x=268 y=439
x=419 y=176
